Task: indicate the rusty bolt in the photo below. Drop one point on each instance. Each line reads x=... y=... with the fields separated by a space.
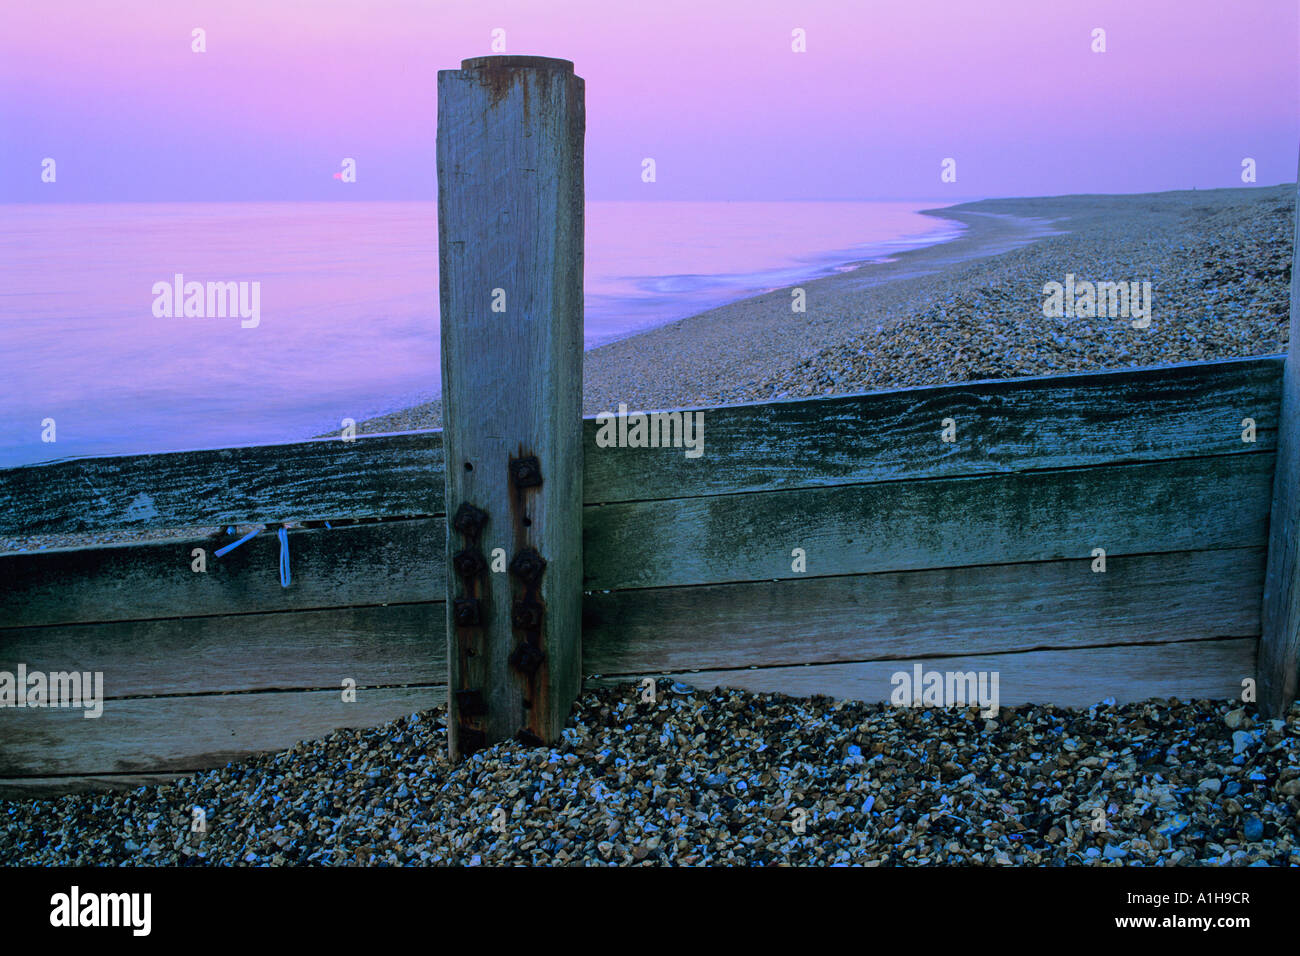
x=468 y=562
x=467 y=612
x=528 y=617
x=528 y=566
x=470 y=703
x=526 y=472
x=469 y=520
x=528 y=738
x=527 y=659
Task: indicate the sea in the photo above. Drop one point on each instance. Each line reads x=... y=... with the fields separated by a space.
x=347 y=321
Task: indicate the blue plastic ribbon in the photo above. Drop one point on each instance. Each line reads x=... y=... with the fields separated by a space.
x=231 y=547
x=285 y=577
x=284 y=558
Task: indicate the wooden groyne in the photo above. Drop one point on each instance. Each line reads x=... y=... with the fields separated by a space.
x=815 y=546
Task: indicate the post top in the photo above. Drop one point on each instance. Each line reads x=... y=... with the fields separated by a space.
x=500 y=62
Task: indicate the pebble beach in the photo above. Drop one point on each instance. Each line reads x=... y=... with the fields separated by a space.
x=1219 y=263
x=725 y=778
x=728 y=777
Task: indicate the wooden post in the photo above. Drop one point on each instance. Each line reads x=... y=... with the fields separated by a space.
x=510 y=232
x=1280 y=616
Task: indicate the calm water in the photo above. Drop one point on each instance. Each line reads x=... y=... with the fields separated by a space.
x=349 y=306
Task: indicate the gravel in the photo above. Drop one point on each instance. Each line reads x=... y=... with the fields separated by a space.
x=724 y=778
x=1220 y=282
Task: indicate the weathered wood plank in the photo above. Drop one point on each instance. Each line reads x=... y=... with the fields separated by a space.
x=173 y=734
x=1145 y=599
x=510 y=233
x=893 y=526
x=299 y=650
x=1188 y=505
x=383 y=476
x=48 y=788
x=1078 y=677
x=1279 y=651
x=1173 y=411
x=1027 y=424
x=387 y=563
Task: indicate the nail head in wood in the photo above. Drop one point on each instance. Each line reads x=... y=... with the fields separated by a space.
x=468 y=612
x=469 y=562
x=469 y=520
x=528 y=566
x=526 y=472
x=527 y=659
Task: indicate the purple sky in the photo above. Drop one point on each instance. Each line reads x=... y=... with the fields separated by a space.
x=709 y=88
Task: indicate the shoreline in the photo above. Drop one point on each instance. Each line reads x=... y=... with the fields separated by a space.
x=627 y=367
x=971 y=307
x=1219 y=262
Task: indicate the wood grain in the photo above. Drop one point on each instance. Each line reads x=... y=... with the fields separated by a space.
x=374 y=646
x=1219 y=502
x=1183 y=410
x=174 y=734
x=1077 y=677
x=1027 y=424
x=510 y=231
x=389 y=563
x=382 y=476
x=1179 y=505
x=971 y=610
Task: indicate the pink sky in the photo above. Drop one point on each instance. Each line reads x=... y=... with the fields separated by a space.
x=709 y=88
